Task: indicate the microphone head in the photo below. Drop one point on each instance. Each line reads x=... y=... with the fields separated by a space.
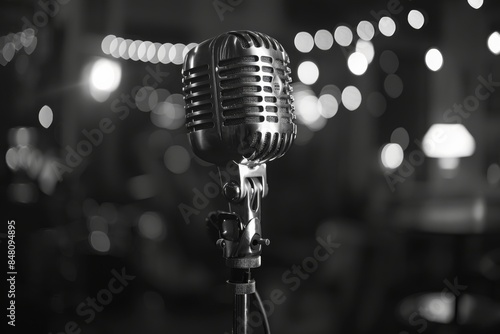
x=238 y=99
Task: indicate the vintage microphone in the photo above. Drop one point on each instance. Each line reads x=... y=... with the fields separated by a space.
x=239 y=109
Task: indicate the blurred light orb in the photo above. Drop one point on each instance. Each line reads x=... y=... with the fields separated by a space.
x=366 y=48
x=142 y=98
x=169 y=113
x=8 y=51
x=123 y=49
x=133 y=48
x=308 y=108
x=27 y=37
x=494 y=43
x=151 y=226
x=329 y=105
x=357 y=63
x=45 y=116
x=393 y=85
x=164 y=52
x=97 y=223
x=448 y=141
x=493 y=174
x=304 y=42
x=308 y=72
x=387 y=26
x=351 y=98
x=476 y=4
x=177 y=159
x=365 y=30
x=392 y=156
x=400 y=136
x=416 y=19
x=151 y=53
x=115 y=47
x=176 y=54
x=105 y=75
x=343 y=36
x=389 y=61
x=434 y=59
x=323 y=39
x=106 y=43
x=100 y=241
x=332 y=90
x=12 y=158
x=142 y=50
x=32 y=46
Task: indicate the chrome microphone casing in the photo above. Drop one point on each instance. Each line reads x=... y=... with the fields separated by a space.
x=238 y=99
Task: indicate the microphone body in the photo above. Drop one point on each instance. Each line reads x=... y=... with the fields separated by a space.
x=238 y=98
x=239 y=109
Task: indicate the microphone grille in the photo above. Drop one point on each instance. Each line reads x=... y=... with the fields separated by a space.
x=238 y=98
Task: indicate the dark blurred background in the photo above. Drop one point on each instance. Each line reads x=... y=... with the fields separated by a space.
x=396 y=163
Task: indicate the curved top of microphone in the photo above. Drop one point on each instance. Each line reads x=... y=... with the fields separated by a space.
x=238 y=99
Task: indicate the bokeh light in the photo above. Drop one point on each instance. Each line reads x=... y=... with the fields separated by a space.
x=123 y=49
x=448 y=141
x=400 y=136
x=343 y=36
x=434 y=59
x=416 y=19
x=106 y=43
x=389 y=62
x=476 y=4
x=351 y=98
x=142 y=98
x=332 y=90
x=308 y=112
x=308 y=108
x=133 y=49
x=366 y=48
x=45 y=116
x=105 y=75
x=115 y=47
x=100 y=241
x=357 y=63
x=151 y=226
x=176 y=53
x=393 y=85
x=304 y=42
x=164 y=52
x=493 y=174
x=494 y=43
x=365 y=30
x=328 y=105
x=392 y=156
x=308 y=72
x=387 y=26
x=323 y=39
x=142 y=51
x=169 y=113
x=177 y=159
x=152 y=53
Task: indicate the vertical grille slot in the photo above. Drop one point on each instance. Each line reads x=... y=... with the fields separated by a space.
x=198 y=99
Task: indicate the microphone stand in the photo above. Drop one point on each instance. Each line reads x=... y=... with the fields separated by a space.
x=239 y=236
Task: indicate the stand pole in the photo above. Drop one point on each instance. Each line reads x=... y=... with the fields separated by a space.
x=238 y=234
